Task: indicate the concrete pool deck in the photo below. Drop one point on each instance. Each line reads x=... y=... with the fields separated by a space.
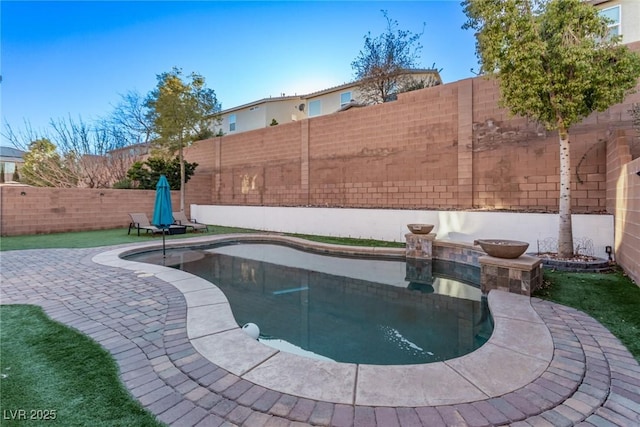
x=545 y=364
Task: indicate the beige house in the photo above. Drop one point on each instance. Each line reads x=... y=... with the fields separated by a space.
x=260 y=114
x=625 y=15
x=334 y=99
x=284 y=109
x=330 y=100
x=11 y=159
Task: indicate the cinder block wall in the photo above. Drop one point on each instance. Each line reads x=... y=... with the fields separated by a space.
x=397 y=155
x=623 y=200
x=446 y=147
x=516 y=161
x=35 y=210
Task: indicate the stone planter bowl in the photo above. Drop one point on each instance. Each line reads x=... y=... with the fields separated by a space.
x=420 y=228
x=502 y=248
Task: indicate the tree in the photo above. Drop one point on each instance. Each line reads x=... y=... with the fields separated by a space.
x=181 y=112
x=556 y=63
x=381 y=65
x=146 y=174
x=45 y=167
x=76 y=154
x=129 y=121
x=407 y=85
x=130 y=126
x=84 y=148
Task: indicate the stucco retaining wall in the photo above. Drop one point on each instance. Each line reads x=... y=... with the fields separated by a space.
x=390 y=224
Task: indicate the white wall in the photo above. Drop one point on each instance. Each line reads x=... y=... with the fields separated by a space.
x=630 y=16
x=630 y=21
x=390 y=225
x=259 y=115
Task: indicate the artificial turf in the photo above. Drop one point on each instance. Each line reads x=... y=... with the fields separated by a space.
x=53 y=375
x=118 y=236
x=611 y=298
x=91 y=239
x=350 y=241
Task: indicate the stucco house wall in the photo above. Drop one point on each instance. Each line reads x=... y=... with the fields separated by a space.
x=259 y=114
x=629 y=17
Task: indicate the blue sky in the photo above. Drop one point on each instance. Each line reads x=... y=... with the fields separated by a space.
x=75 y=59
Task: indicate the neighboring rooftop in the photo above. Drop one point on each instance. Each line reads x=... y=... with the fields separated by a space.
x=8 y=153
x=283 y=97
x=262 y=101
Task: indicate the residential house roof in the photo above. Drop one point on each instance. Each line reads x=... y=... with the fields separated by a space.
x=260 y=102
x=355 y=83
x=343 y=86
x=10 y=153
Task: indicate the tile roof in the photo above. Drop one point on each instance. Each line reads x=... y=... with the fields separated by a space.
x=10 y=152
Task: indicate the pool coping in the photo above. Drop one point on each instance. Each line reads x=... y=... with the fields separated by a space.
x=519 y=350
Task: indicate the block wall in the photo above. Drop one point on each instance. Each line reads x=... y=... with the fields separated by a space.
x=516 y=162
x=445 y=147
x=36 y=210
x=623 y=200
x=399 y=155
x=261 y=167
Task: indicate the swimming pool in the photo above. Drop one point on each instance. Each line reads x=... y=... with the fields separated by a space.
x=366 y=311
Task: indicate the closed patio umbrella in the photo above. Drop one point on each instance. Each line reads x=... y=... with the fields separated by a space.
x=162 y=211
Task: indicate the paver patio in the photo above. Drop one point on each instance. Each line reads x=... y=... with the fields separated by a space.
x=590 y=379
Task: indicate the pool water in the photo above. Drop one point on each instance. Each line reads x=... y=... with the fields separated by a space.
x=372 y=311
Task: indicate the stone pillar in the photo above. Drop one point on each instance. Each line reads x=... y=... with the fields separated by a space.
x=304 y=162
x=520 y=275
x=420 y=246
x=419 y=271
x=217 y=169
x=465 y=143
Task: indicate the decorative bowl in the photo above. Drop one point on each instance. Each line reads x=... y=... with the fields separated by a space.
x=420 y=228
x=500 y=248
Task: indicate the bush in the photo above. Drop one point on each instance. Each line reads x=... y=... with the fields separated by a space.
x=123 y=184
x=145 y=174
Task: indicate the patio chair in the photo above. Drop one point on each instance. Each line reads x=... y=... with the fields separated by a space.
x=181 y=219
x=140 y=221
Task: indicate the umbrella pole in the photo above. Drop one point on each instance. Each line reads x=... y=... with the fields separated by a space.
x=164 y=252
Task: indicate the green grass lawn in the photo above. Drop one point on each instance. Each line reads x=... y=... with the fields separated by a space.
x=350 y=241
x=90 y=239
x=611 y=298
x=53 y=375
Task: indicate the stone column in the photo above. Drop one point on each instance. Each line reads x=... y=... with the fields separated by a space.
x=420 y=246
x=304 y=162
x=520 y=276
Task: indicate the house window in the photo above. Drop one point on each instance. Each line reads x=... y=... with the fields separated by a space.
x=613 y=14
x=232 y=122
x=9 y=167
x=345 y=98
x=314 y=108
